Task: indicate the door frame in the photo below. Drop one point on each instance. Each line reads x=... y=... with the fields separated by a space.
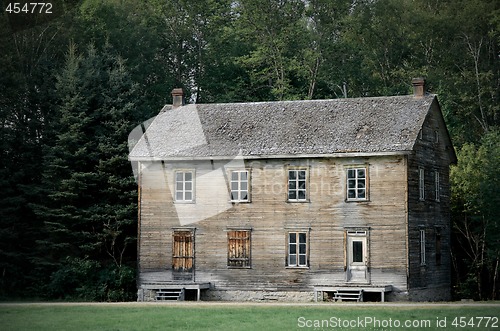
x=184 y=256
x=354 y=270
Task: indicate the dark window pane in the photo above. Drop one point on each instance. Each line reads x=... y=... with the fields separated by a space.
x=361 y=183
x=351 y=173
x=244 y=196
x=351 y=194
x=302 y=260
x=292 y=185
x=189 y=176
x=302 y=249
x=361 y=194
x=351 y=183
x=293 y=260
x=302 y=238
x=302 y=184
x=302 y=174
x=292 y=238
x=292 y=174
x=292 y=195
x=357 y=251
x=302 y=195
x=361 y=173
x=293 y=249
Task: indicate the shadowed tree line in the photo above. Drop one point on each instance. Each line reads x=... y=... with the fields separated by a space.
x=73 y=86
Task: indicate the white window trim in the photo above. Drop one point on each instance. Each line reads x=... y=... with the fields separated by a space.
x=297 y=265
x=437 y=188
x=422 y=247
x=193 y=186
x=239 y=171
x=367 y=181
x=297 y=190
x=421 y=183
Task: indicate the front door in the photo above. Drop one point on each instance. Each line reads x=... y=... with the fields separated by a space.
x=183 y=255
x=357 y=257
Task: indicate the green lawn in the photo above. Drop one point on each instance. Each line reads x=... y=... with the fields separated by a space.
x=214 y=316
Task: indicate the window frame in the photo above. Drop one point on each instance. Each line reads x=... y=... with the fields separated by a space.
x=183 y=190
x=241 y=241
x=422 y=247
x=437 y=186
x=421 y=183
x=239 y=181
x=297 y=181
x=297 y=245
x=356 y=179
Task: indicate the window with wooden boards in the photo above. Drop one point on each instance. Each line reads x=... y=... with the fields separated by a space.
x=183 y=251
x=238 y=248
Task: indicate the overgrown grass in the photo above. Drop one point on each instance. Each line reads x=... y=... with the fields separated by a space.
x=241 y=317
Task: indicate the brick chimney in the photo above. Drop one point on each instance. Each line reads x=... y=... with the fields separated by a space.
x=177 y=97
x=418 y=87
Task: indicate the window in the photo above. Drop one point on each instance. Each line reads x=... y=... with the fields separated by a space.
x=297 y=185
x=238 y=248
x=421 y=183
x=356 y=184
x=436 y=183
x=297 y=249
x=184 y=186
x=436 y=136
x=438 y=247
x=422 y=247
x=239 y=186
x=183 y=251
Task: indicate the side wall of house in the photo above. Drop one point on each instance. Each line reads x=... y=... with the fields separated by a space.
x=429 y=217
x=325 y=217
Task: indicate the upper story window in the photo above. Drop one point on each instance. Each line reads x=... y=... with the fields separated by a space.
x=184 y=186
x=357 y=184
x=421 y=183
x=240 y=186
x=437 y=186
x=297 y=185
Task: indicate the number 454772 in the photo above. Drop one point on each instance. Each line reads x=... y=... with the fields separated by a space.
x=29 y=8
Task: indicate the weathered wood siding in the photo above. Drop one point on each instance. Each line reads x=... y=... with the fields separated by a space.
x=430 y=215
x=269 y=217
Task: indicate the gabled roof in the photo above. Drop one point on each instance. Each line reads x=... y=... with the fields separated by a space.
x=285 y=128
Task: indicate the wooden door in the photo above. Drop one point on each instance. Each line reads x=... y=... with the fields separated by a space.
x=357 y=257
x=183 y=255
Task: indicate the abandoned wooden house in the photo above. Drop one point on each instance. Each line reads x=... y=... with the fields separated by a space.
x=295 y=200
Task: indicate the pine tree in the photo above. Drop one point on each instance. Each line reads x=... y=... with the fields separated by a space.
x=89 y=211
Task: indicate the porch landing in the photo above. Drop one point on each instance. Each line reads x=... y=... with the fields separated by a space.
x=177 y=286
x=336 y=289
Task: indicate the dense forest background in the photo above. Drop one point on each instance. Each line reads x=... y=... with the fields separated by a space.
x=74 y=83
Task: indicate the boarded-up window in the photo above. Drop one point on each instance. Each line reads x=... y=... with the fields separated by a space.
x=238 y=248
x=183 y=251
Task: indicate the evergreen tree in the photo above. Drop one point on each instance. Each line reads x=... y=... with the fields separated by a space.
x=89 y=211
